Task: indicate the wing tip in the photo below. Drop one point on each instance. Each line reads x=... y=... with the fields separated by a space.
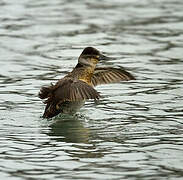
x=43 y=93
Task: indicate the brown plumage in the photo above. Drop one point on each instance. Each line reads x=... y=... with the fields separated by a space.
x=110 y=75
x=70 y=92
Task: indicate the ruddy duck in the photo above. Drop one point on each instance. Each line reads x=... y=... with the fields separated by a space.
x=70 y=92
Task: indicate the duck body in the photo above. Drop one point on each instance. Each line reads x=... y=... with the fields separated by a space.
x=69 y=94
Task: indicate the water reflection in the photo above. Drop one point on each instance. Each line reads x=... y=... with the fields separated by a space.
x=69 y=127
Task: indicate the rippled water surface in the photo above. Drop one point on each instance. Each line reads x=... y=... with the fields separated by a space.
x=134 y=132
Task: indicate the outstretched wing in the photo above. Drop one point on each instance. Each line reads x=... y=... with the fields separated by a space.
x=74 y=90
x=68 y=89
x=110 y=75
x=65 y=90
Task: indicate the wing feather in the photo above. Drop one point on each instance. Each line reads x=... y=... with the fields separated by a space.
x=67 y=89
x=110 y=75
x=74 y=90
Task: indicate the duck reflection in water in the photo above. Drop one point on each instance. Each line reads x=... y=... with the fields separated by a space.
x=71 y=130
x=70 y=92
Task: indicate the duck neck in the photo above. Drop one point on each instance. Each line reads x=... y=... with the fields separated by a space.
x=85 y=73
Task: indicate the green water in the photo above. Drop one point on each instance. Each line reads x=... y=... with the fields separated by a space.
x=134 y=132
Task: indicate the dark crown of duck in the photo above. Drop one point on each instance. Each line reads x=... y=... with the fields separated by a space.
x=90 y=51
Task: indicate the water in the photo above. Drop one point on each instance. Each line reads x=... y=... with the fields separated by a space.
x=134 y=132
